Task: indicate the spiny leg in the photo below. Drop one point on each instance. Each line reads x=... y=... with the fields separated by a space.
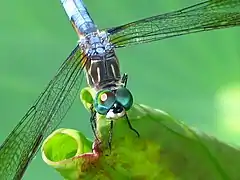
x=124 y=79
x=130 y=126
x=110 y=136
x=93 y=121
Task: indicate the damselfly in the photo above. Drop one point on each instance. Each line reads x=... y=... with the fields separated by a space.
x=95 y=54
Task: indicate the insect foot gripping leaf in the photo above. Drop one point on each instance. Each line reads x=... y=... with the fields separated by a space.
x=166 y=150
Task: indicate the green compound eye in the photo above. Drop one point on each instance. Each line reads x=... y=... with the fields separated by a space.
x=104 y=101
x=124 y=97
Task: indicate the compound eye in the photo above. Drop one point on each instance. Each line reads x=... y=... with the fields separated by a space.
x=124 y=97
x=104 y=101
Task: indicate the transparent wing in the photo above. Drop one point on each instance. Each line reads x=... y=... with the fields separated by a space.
x=42 y=118
x=209 y=15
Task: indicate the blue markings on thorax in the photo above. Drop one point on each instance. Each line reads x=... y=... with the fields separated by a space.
x=78 y=14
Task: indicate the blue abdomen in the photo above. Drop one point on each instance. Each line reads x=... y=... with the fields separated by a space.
x=79 y=16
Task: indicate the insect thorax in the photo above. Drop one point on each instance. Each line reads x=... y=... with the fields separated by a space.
x=102 y=67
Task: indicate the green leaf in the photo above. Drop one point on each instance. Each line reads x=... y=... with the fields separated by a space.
x=166 y=149
x=61 y=149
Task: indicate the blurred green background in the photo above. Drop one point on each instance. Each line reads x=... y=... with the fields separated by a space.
x=195 y=78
